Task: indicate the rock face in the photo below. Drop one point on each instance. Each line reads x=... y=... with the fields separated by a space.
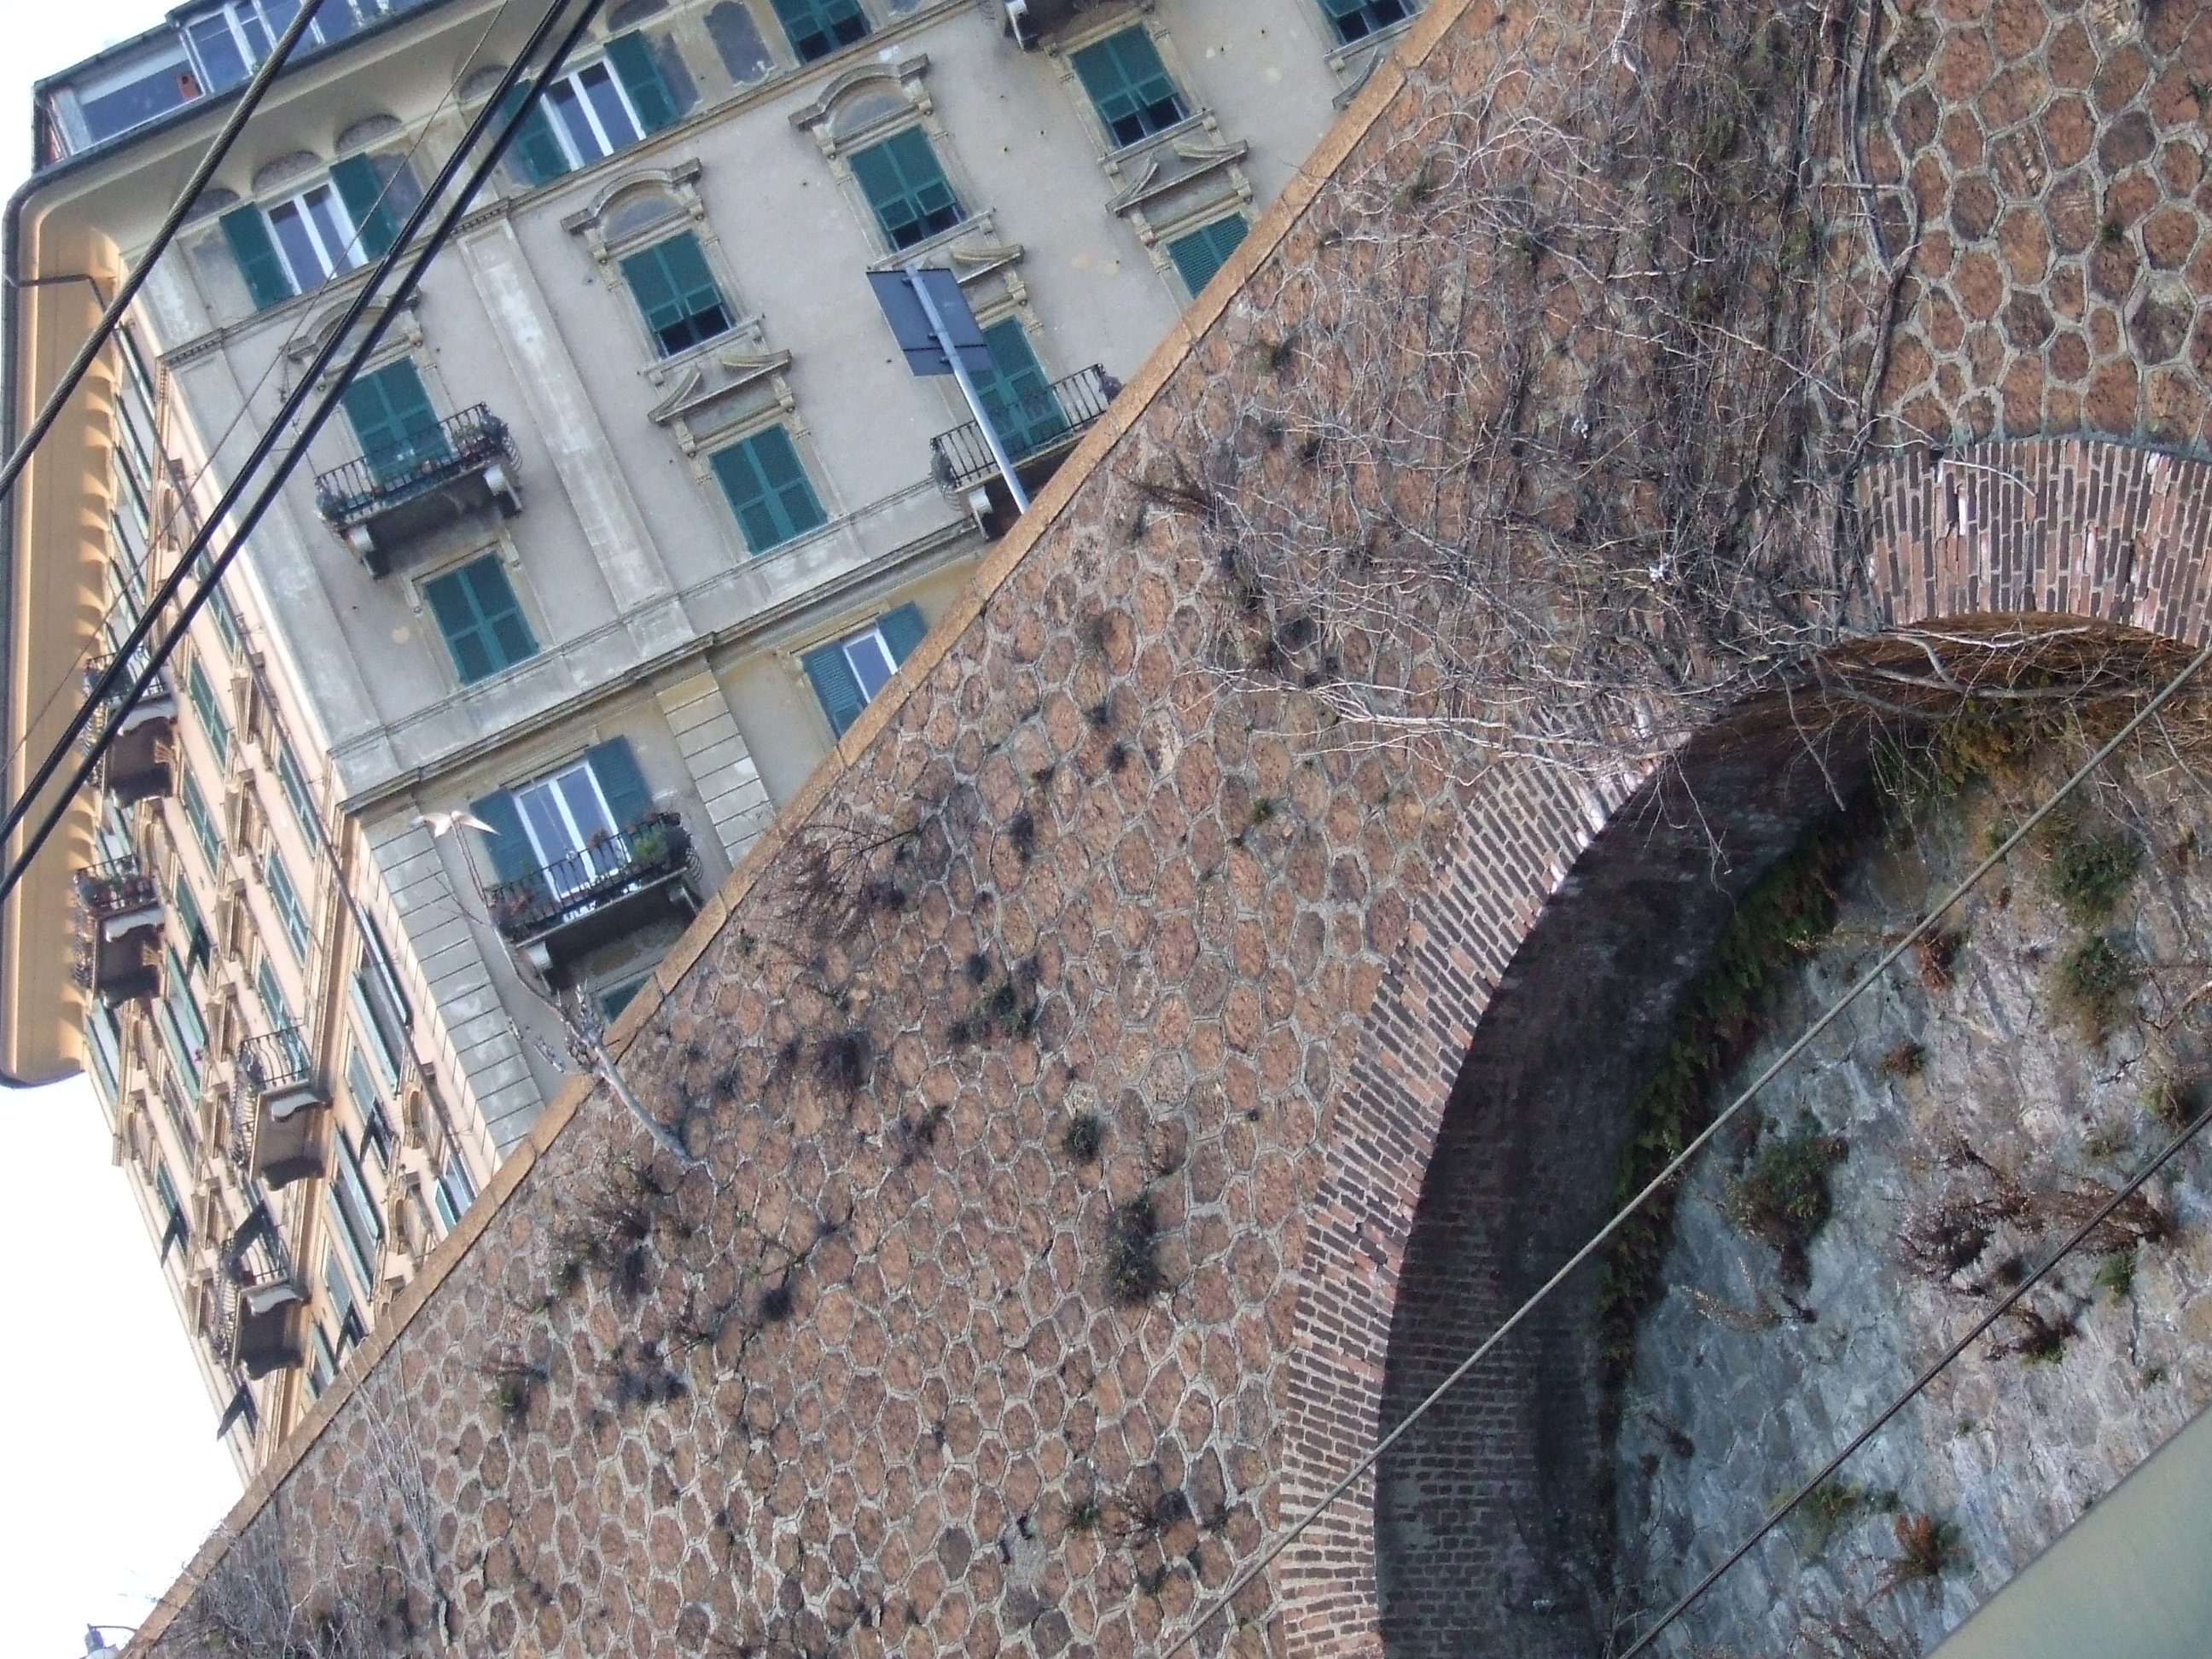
x=1975 y=1103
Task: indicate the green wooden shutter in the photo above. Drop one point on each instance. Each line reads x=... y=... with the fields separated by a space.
x=1129 y=84
x=902 y=630
x=673 y=285
x=906 y=188
x=767 y=489
x=266 y=279
x=840 y=693
x=631 y=56
x=535 y=150
x=614 y=765
x=1015 y=394
x=1204 y=251
x=508 y=847
x=481 y=618
x=647 y=273
x=362 y=192
x=391 y=414
x=817 y=27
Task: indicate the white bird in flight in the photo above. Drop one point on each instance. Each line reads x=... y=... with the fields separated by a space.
x=443 y=824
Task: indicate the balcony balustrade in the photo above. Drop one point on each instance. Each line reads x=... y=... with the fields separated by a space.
x=141 y=758
x=119 y=931
x=280 y=1120
x=260 y=1313
x=1037 y=434
x=615 y=886
x=379 y=501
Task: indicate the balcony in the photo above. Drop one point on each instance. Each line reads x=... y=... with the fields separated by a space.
x=141 y=760
x=280 y=1120
x=118 y=932
x=260 y=1315
x=617 y=886
x=381 y=501
x=1037 y=434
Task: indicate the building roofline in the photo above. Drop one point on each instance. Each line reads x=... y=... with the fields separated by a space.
x=170 y=119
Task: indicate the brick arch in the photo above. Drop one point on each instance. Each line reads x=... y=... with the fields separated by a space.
x=2101 y=531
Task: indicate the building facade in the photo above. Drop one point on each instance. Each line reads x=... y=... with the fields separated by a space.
x=635 y=509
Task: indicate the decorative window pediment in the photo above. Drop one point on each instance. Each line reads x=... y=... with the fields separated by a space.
x=402 y=338
x=637 y=203
x=863 y=103
x=1187 y=173
x=735 y=385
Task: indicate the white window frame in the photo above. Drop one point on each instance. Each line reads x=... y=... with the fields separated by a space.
x=871 y=634
x=587 y=868
x=336 y=262
x=556 y=118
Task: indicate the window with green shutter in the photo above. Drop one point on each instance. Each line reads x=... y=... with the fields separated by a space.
x=1204 y=251
x=817 y=27
x=201 y=691
x=534 y=153
x=1015 y=393
x=362 y=188
x=201 y=824
x=390 y=415
x=294 y=782
x=847 y=672
x=1130 y=86
x=630 y=56
x=481 y=618
x=285 y=897
x=1355 y=19
x=266 y=279
x=767 y=489
x=682 y=302
x=906 y=188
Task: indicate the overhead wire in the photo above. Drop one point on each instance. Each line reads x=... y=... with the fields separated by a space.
x=1974 y=1333
x=1225 y=1603
x=102 y=694
x=135 y=278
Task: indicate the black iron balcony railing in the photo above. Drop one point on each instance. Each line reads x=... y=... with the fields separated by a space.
x=265 y=1066
x=115 y=888
x=118 y=928
x=1052 y=420
x=384 y=478
x=655 y=846
x=96 y=666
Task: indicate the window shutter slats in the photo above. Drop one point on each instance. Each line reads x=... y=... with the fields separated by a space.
x=902 y=630
x=840 y=694
x=1204 y=252
x=647 y=273
x=362 y=192
x=767 y=489
x=537 y=151
x=614 y=764
x=631 y=58
x=265 y=274
x=481 y=618
x=508 y=847
x=685 y=263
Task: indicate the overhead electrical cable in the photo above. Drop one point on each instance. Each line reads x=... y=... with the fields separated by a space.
x=1225 y=1601
x=102 y=694
x=1980 y=1327
x=111 y=319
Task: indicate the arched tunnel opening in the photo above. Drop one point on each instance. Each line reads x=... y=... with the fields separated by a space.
x=1489 y=1515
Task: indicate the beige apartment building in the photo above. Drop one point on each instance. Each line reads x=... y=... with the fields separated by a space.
x=634 y=509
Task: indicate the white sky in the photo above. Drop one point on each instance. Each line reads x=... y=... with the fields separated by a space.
x=110 y=1474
